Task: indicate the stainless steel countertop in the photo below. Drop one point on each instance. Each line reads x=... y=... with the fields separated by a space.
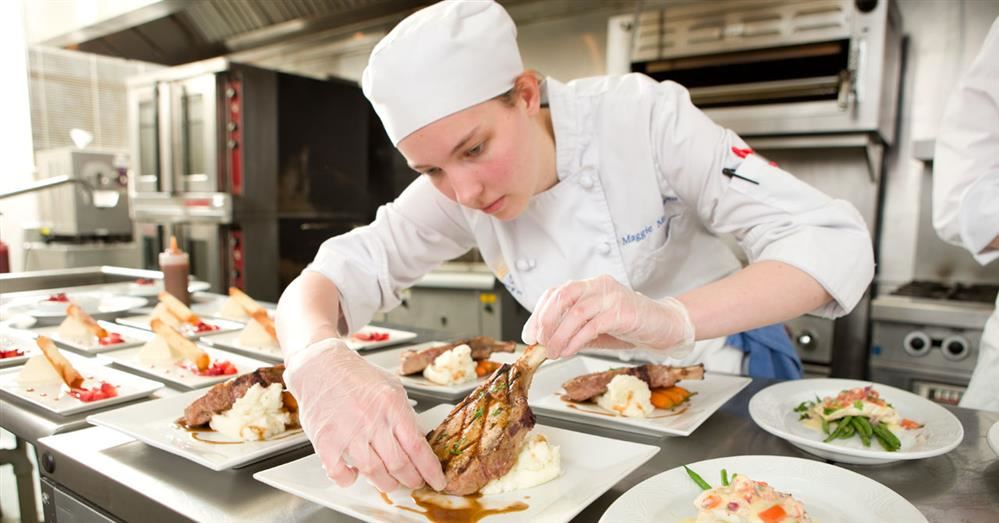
x=136 y=482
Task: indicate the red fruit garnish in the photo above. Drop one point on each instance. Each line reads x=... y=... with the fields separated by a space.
x=12 y=353
x=217 y=368
x=102 y=392
x=113 y=338
x=60 y=297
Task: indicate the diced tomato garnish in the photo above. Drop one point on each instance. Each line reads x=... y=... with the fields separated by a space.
x=12 y=353
x=102 y=392
x=371 y=336
x=60 y=297
x=773 y=514
x=205 y=327
x=908 y=424
x=217 y=368
x=113 y=338
x=712 y=501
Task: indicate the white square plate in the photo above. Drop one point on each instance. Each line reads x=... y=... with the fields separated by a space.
x=213 y=309
x=178 y=375
x=130 y=340
x=394 y=337
x=230 y=341
x=389 y=360
x=142 y=322
x=711 y=393
x=773 y=410
x=153 y=423
x=830 y=494
x=55 y=397
x=591 y=465
x=21 y=340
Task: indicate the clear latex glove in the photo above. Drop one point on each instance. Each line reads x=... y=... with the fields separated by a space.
x=601 y=312
x=359 y=420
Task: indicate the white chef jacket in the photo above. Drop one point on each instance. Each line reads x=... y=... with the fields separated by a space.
x=640 y=197
x=966 y=193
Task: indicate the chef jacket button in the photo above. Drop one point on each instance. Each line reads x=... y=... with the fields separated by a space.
x=586 y=182
x=604 y=248
x=531 y=263
x=523 y=265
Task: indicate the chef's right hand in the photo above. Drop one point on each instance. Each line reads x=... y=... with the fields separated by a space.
x=359 y=420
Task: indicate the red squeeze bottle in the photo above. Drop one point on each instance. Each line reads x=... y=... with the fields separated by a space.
x=176 y=266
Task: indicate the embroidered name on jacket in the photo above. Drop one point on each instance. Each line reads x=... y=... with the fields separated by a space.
x=644 y=233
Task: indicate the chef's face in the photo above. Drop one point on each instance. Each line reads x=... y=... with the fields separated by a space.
x=486 y=157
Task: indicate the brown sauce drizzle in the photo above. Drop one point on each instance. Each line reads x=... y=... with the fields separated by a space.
x=591 y=408
x=290 y=431
x=437 y=509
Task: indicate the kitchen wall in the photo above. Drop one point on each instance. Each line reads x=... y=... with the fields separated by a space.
x=944 y=36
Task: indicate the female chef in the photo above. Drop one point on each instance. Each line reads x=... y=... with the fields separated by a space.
x=596 y=203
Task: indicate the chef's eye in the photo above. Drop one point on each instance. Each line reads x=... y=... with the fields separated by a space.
x=474 y=151
x=433 y=171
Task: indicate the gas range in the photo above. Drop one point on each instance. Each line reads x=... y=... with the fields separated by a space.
x=925 y=336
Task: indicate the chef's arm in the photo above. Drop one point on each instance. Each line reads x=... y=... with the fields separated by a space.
x=307 y=312
x=763 y=293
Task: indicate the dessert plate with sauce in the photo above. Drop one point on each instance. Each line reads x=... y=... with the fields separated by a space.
x=591 y=465
x=56 y=396
x=212 y=325
x=120 y=337
x=708 y=396
x=155 y=423
x=16 y=346
x=179 y=374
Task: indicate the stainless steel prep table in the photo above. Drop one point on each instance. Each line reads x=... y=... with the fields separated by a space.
x=136 y=482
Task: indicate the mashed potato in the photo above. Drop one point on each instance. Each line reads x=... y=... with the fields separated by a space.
x=73 y=331
x=628 y=396
x=157 y=351
x=38 y=371
x=258 y=415
x=538 y=462
x=453 y=367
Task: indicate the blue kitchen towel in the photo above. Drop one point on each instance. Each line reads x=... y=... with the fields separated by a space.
x=771 y=354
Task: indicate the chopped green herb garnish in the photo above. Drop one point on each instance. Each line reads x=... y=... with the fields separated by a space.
x=829 y=410
x=859 y=405
x=478 y=414
x=802 y=407
x=497 y=411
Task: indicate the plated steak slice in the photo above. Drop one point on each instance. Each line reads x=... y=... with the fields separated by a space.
x=589 y=386
x=413 y=361
x=479 y=440
x=222 y=396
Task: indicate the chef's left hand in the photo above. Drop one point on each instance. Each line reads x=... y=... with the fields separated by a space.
x=600 y=312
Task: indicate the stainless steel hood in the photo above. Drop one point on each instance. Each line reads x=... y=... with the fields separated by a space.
x=173 y=32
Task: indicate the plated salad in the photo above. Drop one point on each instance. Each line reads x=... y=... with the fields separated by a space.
x=859 y=412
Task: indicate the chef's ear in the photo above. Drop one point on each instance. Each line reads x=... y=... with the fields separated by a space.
x=527 y=89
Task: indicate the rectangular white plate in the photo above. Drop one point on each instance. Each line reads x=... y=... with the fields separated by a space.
x=142 y=322
x=213 y=309
x=55 y=397
x=591 y=465
x=230 y=341
x=389 y=360
x=20 y=340
x=711 y=394
x=153 y=423
x=130 y=340
x=175 y=374
x=395 y=337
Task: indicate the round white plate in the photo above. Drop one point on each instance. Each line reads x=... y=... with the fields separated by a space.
x=154 y=288
x=821 y=487
x=773 y=410
x=993 y=437
x=94 y=303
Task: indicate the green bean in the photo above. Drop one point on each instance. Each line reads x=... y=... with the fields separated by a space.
x=724 y=477
x=865 y=438
x=849 y=430
x=884 y=443
x=840 y=427
x=697 y=479
x=890 y=439
x=865 y=424
x=825 y=426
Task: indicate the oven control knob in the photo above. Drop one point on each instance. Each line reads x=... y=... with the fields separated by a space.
x=806 y=340
x=955 y=347
x=917 y=343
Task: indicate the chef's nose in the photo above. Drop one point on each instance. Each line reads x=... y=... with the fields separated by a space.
x=467 y=188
